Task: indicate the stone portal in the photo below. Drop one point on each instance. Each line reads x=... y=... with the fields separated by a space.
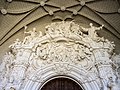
x=66 y=49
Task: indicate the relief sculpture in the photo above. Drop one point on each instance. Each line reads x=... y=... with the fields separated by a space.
x=63 y=46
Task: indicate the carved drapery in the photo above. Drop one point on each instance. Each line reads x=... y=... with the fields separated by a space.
x=66 y=49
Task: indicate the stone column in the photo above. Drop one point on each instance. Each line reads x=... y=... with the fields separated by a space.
x=104 y=66
x=20 y=65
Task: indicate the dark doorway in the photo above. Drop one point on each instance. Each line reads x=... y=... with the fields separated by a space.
x=61 y=84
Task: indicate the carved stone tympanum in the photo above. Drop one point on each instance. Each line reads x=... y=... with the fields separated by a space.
x=65 y=49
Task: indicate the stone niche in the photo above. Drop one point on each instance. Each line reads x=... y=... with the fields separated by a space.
x=65 y=49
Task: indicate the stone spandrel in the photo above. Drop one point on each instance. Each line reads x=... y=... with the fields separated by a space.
x=62 y=45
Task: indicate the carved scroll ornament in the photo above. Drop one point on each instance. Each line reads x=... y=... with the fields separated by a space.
x=62 y=44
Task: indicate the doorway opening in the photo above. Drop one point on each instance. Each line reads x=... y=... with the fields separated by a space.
x=61 y=84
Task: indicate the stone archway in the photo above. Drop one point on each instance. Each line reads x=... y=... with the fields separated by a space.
x=81 y=76
x=64 y=50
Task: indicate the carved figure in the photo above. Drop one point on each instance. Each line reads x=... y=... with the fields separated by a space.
x=42 y=52
x=15 y=44
x=92 y=31
x=5 y=68
x=109 y=45
x=40 y=34
x=75 y=29
x=7 y=62
x=32 y=35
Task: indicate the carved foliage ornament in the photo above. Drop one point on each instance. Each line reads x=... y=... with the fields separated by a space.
x=63 y=43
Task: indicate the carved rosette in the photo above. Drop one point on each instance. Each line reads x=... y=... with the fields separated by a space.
x=63 y=44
